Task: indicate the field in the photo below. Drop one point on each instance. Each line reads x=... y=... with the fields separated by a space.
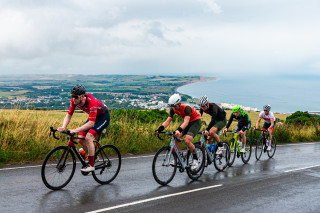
x=25 y=133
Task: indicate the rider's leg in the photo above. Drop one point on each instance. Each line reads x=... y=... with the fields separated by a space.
x=213 y=132
x=82 y=140
x=89 y=143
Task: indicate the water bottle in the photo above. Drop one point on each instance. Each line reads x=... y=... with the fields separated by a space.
x=82 y=153
x=209 y=147
x=213 y=147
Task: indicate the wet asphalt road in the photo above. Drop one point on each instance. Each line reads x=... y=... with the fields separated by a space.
x=288 y=183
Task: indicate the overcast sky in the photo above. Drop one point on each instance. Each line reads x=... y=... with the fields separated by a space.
x=210 y=37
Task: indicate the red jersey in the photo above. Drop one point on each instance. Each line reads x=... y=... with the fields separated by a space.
x=93 y=107
x=194 y=115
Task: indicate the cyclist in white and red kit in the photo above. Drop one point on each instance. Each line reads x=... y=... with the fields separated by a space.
x=269 y=123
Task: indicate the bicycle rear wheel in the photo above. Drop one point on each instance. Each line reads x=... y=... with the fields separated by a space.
x=58 y=168
x=259 y=148
x=247 y=154
x=196 y=174
x=107 y=164
x=221 y=159
x=273 y=147
x=164 y=165
x=233 y=152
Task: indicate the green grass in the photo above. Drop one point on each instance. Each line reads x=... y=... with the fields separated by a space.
x=25 y=137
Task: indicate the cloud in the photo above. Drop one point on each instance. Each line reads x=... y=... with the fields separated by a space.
x=183 y=36
x=211 y=6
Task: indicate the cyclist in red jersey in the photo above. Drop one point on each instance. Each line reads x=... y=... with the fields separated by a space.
x=99 y=118
x=190 y=126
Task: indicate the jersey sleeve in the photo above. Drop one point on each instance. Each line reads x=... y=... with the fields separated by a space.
x=188 y=111
x=261 y=114
x=171 y=113
x=93 y=110
x=230 y=120
x=72 y=107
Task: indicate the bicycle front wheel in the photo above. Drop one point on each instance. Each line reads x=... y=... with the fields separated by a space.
x=58 y=168
x=107 y=164
x=247 y=154
x=201 y=155
x=221 y=158
x=259 y=148
x=273 y=147
x=233 y=152
x=164 y=165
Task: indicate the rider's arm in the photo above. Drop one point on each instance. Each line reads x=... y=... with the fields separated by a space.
x=230 y=121
x=84 y=127
x=185 y=122
x=272 y=123
x=167 y=122
x=258 y=121
x=214 y=116
x=66 y=121
x=245 y=122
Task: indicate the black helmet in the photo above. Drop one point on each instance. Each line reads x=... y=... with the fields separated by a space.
x=78 y=90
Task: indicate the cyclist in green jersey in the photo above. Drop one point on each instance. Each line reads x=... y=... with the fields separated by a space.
x=244 y=124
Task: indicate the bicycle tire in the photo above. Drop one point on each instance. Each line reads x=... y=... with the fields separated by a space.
x=233 y=151
x=259 y=148
x=108 y=158
x=273 y=147
x=195 y=175
x=221 y=161
x=246 y=155
x=162 y=171
x=50 y=166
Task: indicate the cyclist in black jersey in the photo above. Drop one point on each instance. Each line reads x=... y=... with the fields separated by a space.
x=218 y=119
x=244 y=123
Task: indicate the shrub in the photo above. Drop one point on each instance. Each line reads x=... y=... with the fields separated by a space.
x=302 y=118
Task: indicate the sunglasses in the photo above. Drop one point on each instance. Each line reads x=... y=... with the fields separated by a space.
x=75 y=96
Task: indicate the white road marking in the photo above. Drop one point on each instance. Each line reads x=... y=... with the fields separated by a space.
x=293 y=170
x=153 y=199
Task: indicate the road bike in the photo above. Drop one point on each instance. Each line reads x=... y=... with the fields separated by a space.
x=168 y=159
x=60 y=163
x=235 y=150
x=262 y=144
x=219 y=158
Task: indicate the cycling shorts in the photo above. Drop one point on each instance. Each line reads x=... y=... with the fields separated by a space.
x=240 y=127
x=267 y=125
x=193 y=128
x=220 y=124
x=102 y=121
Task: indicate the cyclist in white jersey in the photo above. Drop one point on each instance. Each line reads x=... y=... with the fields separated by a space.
x=269 y=124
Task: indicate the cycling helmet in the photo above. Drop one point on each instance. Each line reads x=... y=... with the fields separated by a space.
x=203 y=101
x=78 y=90
x=174 y=100
x=267 y=107
x=236 y=108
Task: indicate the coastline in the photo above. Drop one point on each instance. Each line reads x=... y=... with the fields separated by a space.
x=222 y=104
x=202 y=79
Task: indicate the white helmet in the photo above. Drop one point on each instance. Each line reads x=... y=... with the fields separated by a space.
x=203 y=101
x=174 y=100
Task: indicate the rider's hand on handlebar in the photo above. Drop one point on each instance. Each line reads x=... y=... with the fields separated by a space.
x=61 y=129
x=177 y=133
x=206 y=133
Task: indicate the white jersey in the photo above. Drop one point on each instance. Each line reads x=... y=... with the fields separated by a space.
x=268 y=117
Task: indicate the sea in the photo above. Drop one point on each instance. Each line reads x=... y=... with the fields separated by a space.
x=285 y=94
